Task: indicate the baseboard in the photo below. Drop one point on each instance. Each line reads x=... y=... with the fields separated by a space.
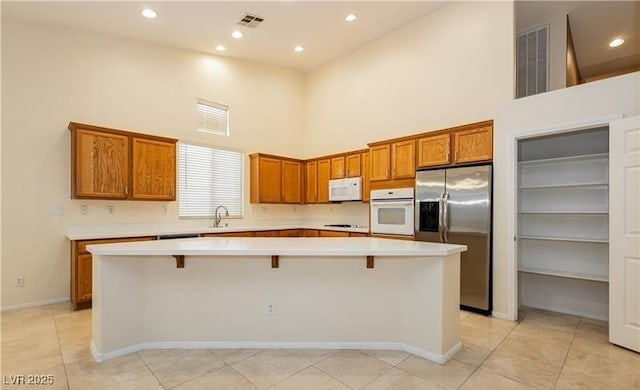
x=570 y=312
x=34 y=304
x=441 y=359
x=500 y=316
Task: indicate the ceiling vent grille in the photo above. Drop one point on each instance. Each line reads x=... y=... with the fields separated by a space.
x=250 y=20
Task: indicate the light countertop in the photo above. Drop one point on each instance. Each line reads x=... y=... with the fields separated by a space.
x=95 y=232
x=261 y=246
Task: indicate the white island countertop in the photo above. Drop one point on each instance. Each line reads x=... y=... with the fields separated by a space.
x=269 y=246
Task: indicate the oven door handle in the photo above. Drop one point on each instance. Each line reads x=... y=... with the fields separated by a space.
x=392 y=202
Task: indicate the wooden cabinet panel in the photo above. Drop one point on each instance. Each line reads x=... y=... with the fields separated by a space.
x=354 y=165
x=380 y=159
x=154 y=169
x=337 y=167
x=268 y=233
x=311 y=233
x=352 y=234
x=270 y=173
x=332 y=233
x=366 y=188
x=228 y=234
x=473 y=145
x=291 y=233
x=311 y=182
x=291 y=181
x=434 y=150
x=81 y=268
x=100 y=165
x=85 y=277
x=324 y=172
x=403 y=162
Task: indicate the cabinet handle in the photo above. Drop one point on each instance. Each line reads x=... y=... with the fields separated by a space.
x=447 y=156
x=126 y=190
x=456 y=157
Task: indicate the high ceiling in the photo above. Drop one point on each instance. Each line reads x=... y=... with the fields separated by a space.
x=318 y=26
x=593 y=25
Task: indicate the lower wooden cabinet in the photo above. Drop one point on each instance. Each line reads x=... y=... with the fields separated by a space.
x=82 y=269
x=229 y=234
x=332 y=233
x=291 y=233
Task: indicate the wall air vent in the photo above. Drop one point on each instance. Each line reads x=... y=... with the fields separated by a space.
x=250 y=20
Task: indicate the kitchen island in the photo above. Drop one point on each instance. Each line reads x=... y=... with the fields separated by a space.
x=365 y=293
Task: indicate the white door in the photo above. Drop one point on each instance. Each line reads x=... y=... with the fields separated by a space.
x=624 y=233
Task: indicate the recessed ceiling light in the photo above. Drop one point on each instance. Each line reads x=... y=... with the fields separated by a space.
x=237 y=34
x=350 y=17
x=149 y=13
x=298 y=49
x=221 y=48
x=616 y=42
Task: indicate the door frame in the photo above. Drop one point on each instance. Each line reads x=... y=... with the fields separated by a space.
x=512 y=222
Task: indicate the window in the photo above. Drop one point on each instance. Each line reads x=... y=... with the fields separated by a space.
x=532 y=65
x=213 y=118
x=208 y=178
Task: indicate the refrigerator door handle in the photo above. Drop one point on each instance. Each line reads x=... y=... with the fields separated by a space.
x=440 y=217
x=445 y=217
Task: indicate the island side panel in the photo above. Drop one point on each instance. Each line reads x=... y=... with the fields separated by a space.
x=221 y=302
x=118 y=303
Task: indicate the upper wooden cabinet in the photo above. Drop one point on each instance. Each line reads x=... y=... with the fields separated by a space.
x=403 y=160
x=337 y=167
x=380 y=158
x=434 y=150
x=394 y=160
x=473 y=145
x=275 y=179
x=353 y=163
x=115 y=164
x=324 y=172
x=311 y=182
x=154 y=169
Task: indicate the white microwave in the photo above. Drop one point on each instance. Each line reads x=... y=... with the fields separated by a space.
x=345 y=189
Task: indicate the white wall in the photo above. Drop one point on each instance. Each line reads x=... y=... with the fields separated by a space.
x=564 y=108
x=448 y=68
x=52 y=76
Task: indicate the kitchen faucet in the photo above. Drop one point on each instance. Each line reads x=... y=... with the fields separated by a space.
x=216 y=221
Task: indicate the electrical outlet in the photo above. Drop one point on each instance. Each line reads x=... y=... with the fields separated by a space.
x=84 y=209
x=20 y=281
x=111 y=209
x=271 y=309
x=56 y=210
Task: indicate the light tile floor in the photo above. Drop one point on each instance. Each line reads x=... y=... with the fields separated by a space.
x=543 y=350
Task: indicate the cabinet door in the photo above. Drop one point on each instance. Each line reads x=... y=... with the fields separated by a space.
x=366 y=187
x=268 y=233
x=352 y=234
x=403 y=159
x=311 y=184
x=311 y=233
x=84 y=278
x=434 y=150
x=100 y=165
x=324 y=171
x=229 y=234
x=290 y=233
x=291 y=181
x=270 y=179
x=380 y=162
x=337 y=167
x=353 y=162
x=332 y=233
x=154 y=169
x=473 y=145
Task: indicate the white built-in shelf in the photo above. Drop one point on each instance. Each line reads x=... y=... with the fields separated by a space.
x=600 y=185
x=567 y=239
x=566 y=212
x=563 y=274
x=569 y=159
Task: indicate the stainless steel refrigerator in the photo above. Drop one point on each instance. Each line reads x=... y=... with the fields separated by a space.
x=453 y=205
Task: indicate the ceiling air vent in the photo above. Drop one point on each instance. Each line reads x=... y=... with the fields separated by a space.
x=250 y=20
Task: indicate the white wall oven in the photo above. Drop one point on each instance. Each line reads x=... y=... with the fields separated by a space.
x=392 y=211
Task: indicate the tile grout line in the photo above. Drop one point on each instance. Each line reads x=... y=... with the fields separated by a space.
x=568 y=352
x=64 y=365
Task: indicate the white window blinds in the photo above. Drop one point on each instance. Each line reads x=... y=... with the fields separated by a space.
x=213 y=117
x=208 y=178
